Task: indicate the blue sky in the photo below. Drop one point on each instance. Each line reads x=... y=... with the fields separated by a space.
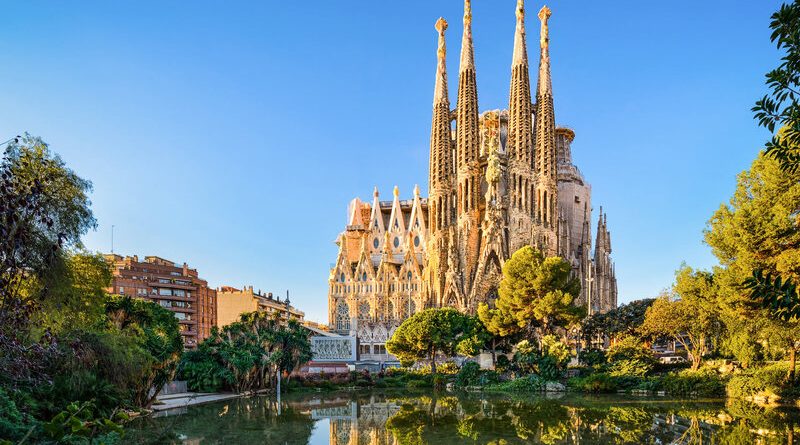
x=232 y=135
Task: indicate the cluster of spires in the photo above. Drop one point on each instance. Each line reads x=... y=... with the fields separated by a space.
x=535 y=160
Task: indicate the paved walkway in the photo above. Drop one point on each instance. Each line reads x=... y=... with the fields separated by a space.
x=182 y=400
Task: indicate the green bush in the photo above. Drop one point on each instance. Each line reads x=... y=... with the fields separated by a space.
x=502 y=364
x=13 y=423
x=549 y=368
x=447 y=368
x=703 y=383
x=529 y=383
x=592 y=357
x=629 y=357
x=769 y=381
x=468 y=374
x=600 y=382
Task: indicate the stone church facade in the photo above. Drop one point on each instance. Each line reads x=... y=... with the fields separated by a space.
x=498 y=180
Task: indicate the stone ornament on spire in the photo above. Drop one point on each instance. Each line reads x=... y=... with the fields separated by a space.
x=545 y=86
x=520 y=50
x=467 y=52
x=544 y=14
x=440 y=92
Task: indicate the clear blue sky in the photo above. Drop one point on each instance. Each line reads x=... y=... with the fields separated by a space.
x=232 y=135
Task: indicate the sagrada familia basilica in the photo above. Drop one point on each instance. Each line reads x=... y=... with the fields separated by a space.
x=499 y=180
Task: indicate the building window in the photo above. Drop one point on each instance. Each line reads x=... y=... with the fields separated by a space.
x=365 y=349
x=178 y=293
x=376 y=243
x=164 y=281
x=341 y=277
x=165 y=303
x=416 y=241
x=363 y=311
x=342 y=317
x=121 y=290
x=165 y=292
x=364 y=277
x=380 y=349
x=182 y=316
x=396 y=242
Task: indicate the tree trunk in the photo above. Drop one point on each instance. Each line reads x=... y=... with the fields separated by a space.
x=792 y=362
x=433 y=361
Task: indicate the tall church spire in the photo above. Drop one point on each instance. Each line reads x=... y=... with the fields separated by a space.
x=467 y=138
x=519 y=145
x=545 y=131
x=519 y=107
x=441 y=165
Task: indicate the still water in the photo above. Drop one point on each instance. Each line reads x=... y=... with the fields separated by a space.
x=403 y=418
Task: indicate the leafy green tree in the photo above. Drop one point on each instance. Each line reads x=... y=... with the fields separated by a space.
x=44 y=208
x=685 y=321
x=758 y=230
x=535 y=296
x=247 y=354
x=431 y=332
x=619 y=322
x=157 y=332
x=779 y=109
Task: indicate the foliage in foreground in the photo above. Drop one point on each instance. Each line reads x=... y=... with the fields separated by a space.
x=436 y=331
x=246 y=355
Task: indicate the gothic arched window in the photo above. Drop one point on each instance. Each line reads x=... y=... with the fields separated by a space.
x=390 y=309
x=363 y=311
x=342 y=317
x=364 y=277
x=341 y=277
x=413 y=307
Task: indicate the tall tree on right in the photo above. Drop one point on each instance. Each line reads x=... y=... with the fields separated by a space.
x=779 y=109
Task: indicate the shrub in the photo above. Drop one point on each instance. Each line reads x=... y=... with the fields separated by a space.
x=600 y=382
x=468 y=374
x=549 y=368
x=530 y=383
x=447 y=368
x=629 y=357
x=767 y=382
x=592 y=357
x=704 y=383
x=554 y=348
x=502 y=364
x=13 y=423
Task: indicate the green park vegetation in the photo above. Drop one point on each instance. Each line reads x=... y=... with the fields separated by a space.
x=76 y=360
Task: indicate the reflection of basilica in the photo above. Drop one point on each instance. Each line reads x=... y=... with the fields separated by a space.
x=362 y=423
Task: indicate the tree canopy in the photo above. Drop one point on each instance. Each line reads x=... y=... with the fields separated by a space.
x=433 y=331
x=535 y=296
x=779 y=109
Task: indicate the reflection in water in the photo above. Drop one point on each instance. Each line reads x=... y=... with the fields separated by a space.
x=398 y=418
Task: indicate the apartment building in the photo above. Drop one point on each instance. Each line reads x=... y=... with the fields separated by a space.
x=173 y=286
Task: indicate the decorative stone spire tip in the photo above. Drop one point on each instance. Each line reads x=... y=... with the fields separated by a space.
x=396 y=192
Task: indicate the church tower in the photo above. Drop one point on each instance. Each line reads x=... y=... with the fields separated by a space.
x=441 y=180
x=519 y=146
x=468 y=170
x=544 y=234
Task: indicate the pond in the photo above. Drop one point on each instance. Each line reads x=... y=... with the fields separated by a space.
x=400 y=417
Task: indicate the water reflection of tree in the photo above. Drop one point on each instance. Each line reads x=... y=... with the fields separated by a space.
x=427 y=420
x=250 y=420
